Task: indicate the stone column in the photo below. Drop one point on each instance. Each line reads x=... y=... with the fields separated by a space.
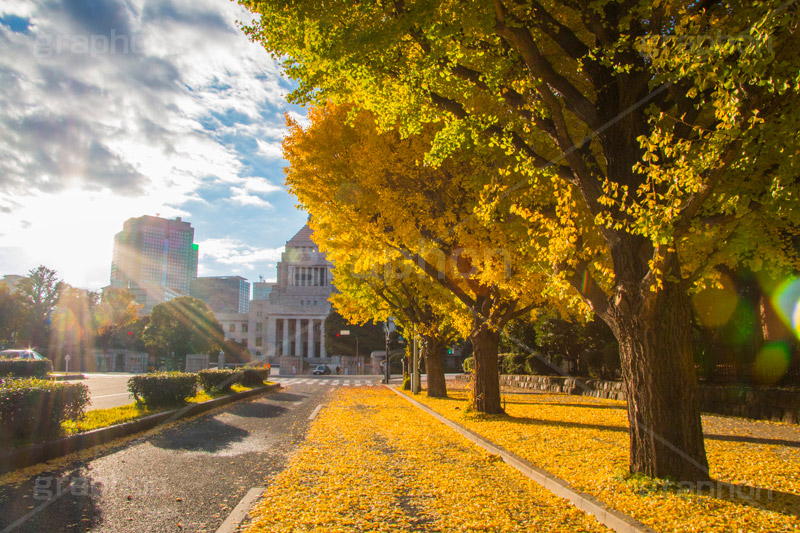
x=298 y=338
x=285 y=350
x=310 y=338
x=271 y=336
x=322 y=352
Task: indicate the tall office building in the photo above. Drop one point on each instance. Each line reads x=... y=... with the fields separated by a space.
x=222 y=294
x=261 y=290
x=155 y=258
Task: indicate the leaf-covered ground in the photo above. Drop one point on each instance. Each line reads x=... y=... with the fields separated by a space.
x=373 y=462
x=585 y=442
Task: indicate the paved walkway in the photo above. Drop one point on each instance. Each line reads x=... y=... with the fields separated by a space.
x=184 y=477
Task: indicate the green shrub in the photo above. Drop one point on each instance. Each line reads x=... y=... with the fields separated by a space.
x=218 y=380
x=514 y=363
x=163 y=389
x=251 y=376
x=406 y=382
x=536 y=366
x=469 y=364
x=25 y=368
x=33 y=409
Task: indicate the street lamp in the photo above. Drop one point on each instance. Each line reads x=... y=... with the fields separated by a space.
x=388 y=327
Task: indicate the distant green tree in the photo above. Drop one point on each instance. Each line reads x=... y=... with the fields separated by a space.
x=9 y=315
x=131 y=337
x=235 y=352
x=116 y=312
x=589 y=348
x=39 y=293
x=182 y=326
x=72 y=329
x=370 y=336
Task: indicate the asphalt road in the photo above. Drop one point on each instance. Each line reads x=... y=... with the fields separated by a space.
x=185 y=477
x=108 y=389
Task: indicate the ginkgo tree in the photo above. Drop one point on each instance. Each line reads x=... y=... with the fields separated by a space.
x=666 y=130
x=420 y=306
x=372 y=202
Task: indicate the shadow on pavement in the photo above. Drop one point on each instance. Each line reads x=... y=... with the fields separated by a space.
x=258 y=410
x=210 y=436
x=287 y=397
x=71 y=494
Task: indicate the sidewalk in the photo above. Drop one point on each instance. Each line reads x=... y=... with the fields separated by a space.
x=584 y=441
x=373 y=462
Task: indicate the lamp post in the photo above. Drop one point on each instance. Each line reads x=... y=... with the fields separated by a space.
x=388 y=327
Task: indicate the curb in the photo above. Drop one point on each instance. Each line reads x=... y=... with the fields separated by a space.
x=69 y=377
x=45 y=451
x=585 y=502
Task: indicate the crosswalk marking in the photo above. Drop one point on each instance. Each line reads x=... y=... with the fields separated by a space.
x=325 y=382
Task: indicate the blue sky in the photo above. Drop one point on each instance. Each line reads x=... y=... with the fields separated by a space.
x=112 y=109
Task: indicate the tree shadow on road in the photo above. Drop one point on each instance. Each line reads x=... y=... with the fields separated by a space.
x=210 y=435
x=286 y=397
x=67 y=497
x=258 y=410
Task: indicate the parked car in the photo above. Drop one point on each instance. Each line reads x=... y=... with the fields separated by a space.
x=321 y=370
x=22 y=354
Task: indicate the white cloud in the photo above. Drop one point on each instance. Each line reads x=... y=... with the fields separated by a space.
x=261 y=185
x=300 y=119
x=234 y=252
x=269 y=150
x=93 y=136
x=242 y=197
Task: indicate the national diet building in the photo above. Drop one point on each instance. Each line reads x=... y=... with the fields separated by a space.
x=287 y=326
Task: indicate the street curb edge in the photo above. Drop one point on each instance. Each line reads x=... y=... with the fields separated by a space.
x=587 y=503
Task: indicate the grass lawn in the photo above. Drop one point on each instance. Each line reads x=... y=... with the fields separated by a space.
x=100 y=418
x=585 y=442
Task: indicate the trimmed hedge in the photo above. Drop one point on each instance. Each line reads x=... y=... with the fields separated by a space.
x=253 y=376
x=218 y=380
x=25 y=368
x=33 y=409
x=163 y=389
x=469 y=365
x=221 y=380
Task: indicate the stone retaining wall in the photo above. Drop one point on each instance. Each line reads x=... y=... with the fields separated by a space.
x=780 y=405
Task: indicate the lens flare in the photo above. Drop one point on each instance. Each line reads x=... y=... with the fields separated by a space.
x=772 y=362
x=714 y=307
x=786 y=301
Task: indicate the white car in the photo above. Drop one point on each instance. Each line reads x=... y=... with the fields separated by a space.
x=22 y=354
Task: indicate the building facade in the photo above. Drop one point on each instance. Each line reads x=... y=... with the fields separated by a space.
x=236 y=327
x=290 y=322
x=261 y=290
x=222 y=294
x=155 y=258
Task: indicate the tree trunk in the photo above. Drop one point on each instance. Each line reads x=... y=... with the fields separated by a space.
x=666 y=437
x=486 y=376
x=434 y=366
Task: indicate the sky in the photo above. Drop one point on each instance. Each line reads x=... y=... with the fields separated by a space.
x=112 y=109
